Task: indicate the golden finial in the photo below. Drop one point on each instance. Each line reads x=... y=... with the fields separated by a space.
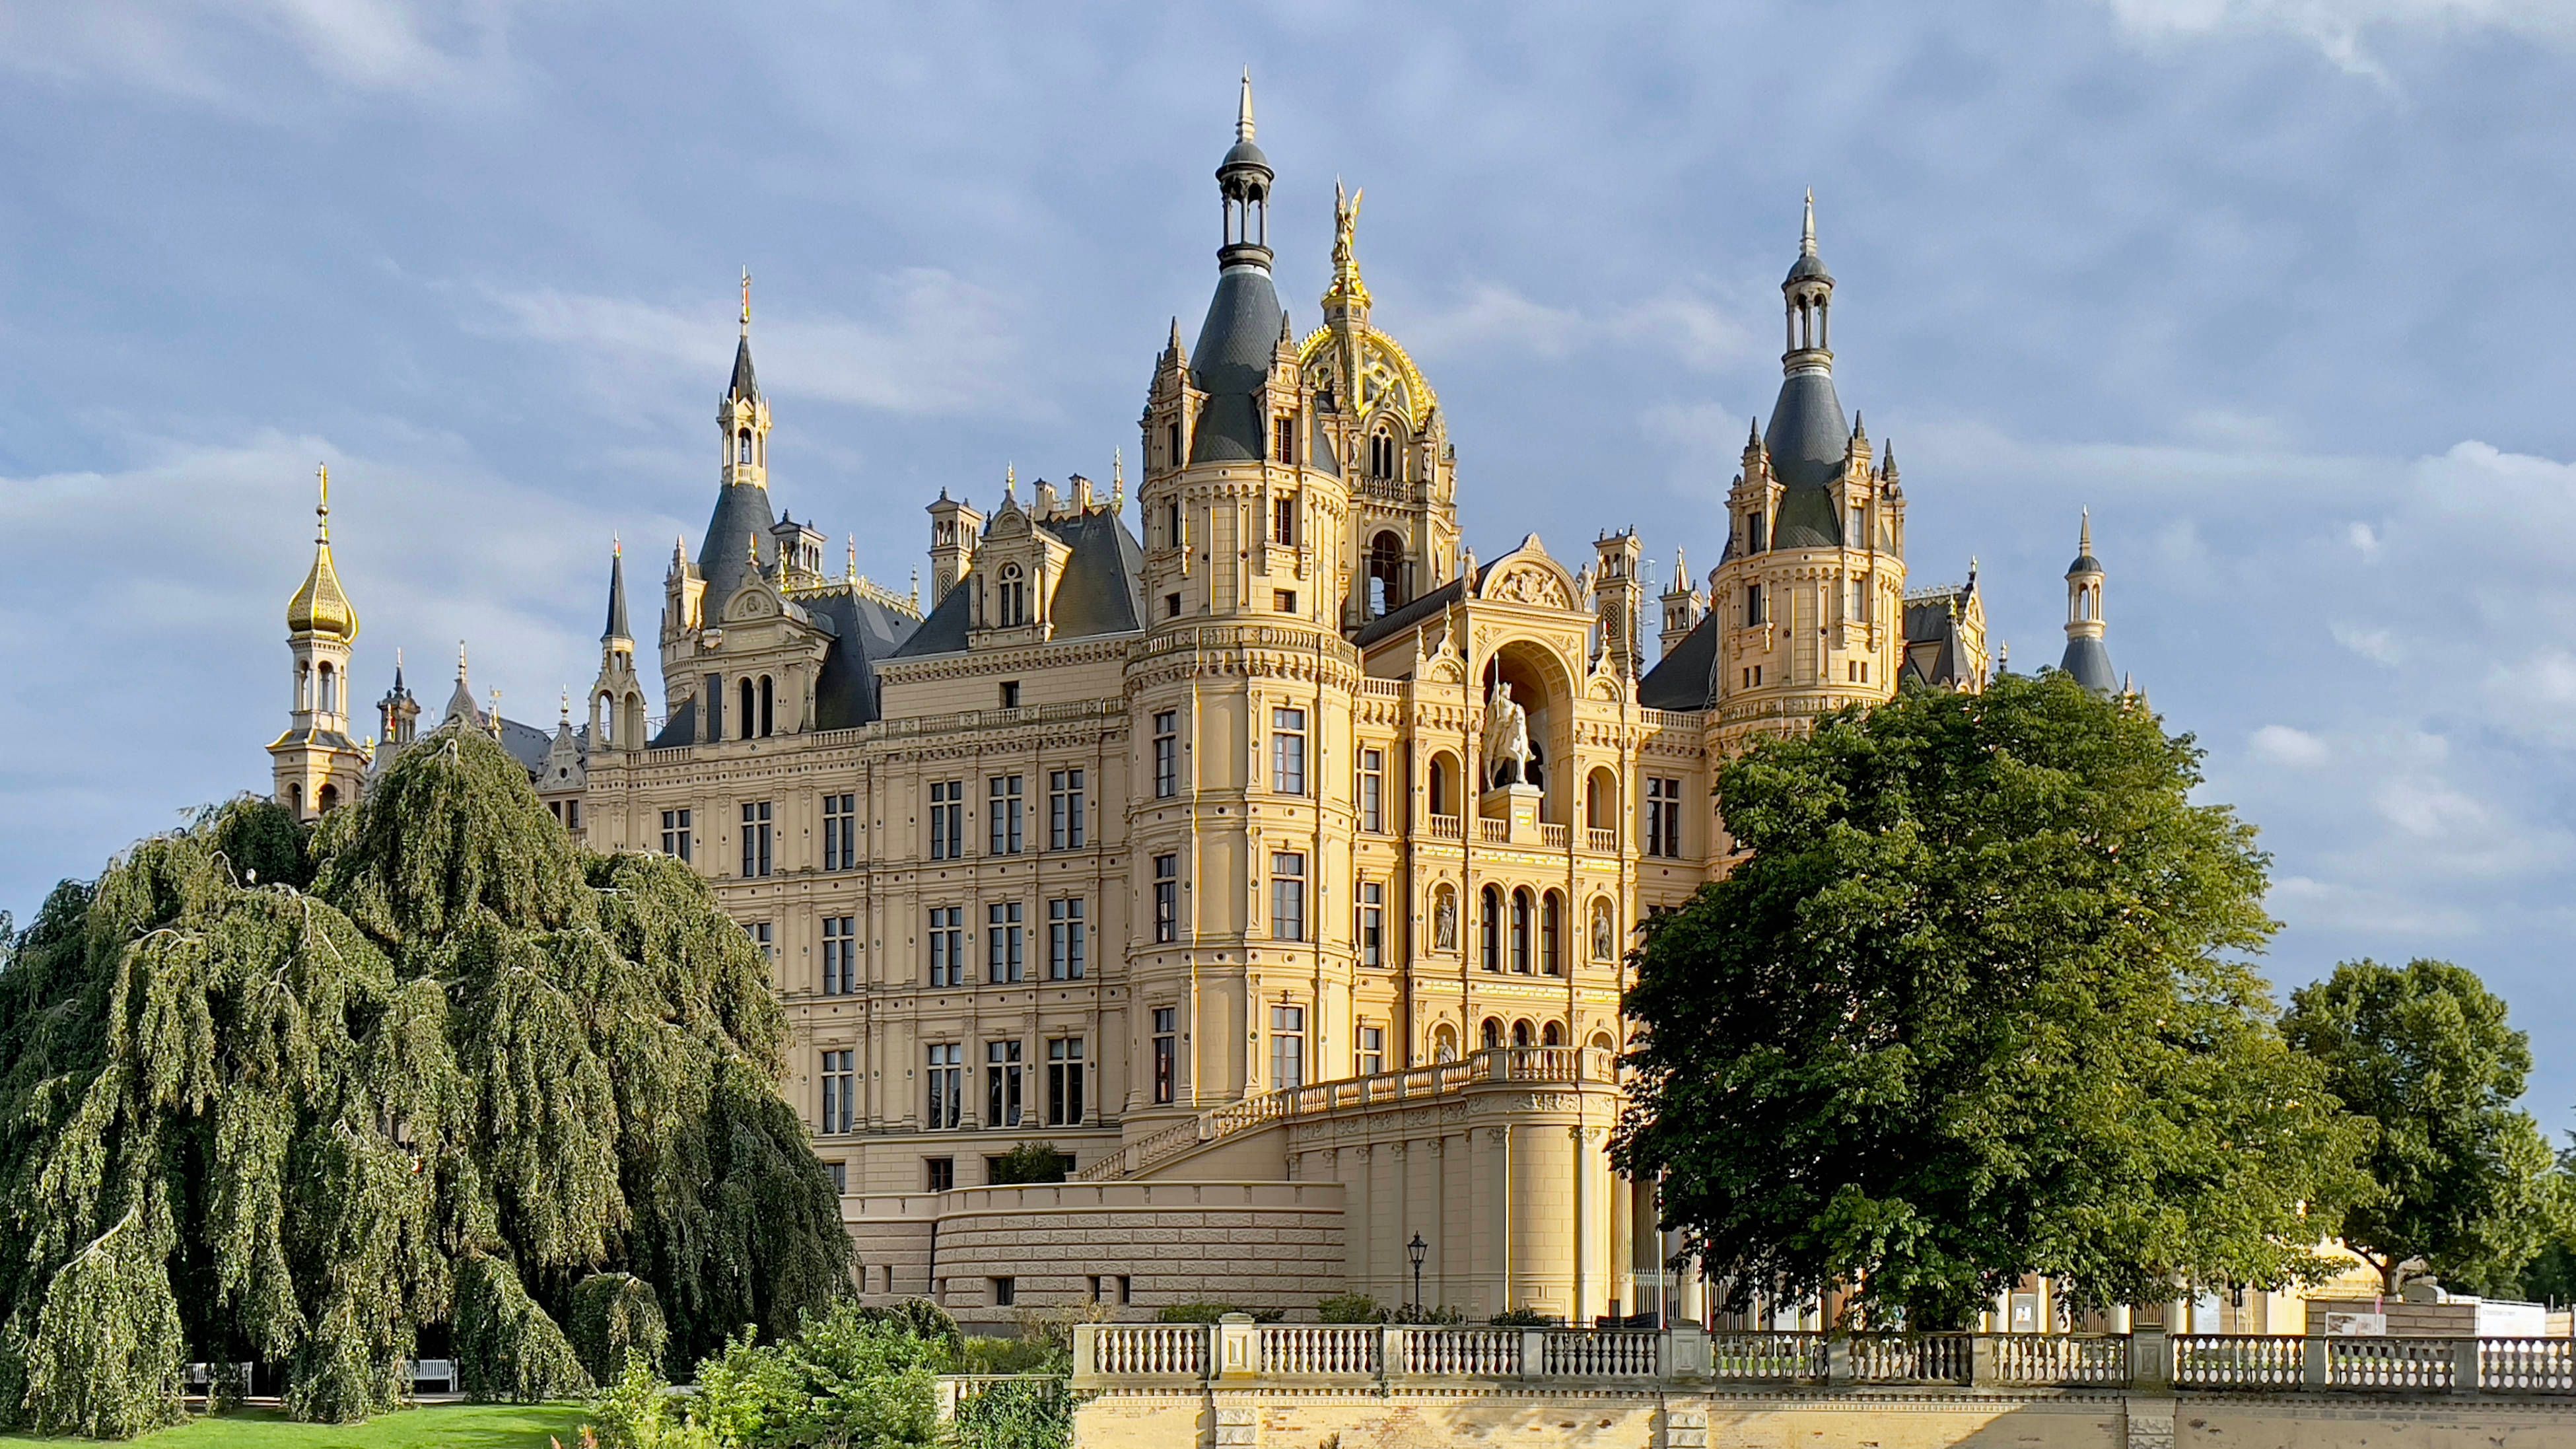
x=916 y=588
x=1243 y=109
x=1010 y=482
x=322 y=510
x=1348 y=291
x=563 y=707
x=1117 y=479
x=1807 y=237
x=854 y=556
x=746 y=301
x=496 y=711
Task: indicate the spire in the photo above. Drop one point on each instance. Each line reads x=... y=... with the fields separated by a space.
x=398 y=679
x=1238 y=343
x=746 y=293
x=1243 y=109
x=1806 y=244
x=854 y=558
x=1117 y=479
x=745 y=384
x=320 y=606
x=2086 y=658
x=616 y=630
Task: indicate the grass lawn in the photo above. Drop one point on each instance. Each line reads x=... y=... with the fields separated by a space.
x=447 y=1426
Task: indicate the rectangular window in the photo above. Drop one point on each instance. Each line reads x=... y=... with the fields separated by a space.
x=1284 y=600
x=764 y=938
x=755 y=838
x=1287 y=1047
x=1068 y=944
x=1001 y=1084
x=1663 y=817
x=1287 y=895
x=1126 y=1290
x=1172 y=459
x=1010 y=694
x=1373 y=790
x=1004 y=943
x=946 y=1074
x=1167 y=898
x=841 y=831
x=939 y=1174
x=841 y=1181
x=1754 y=537
x=1171 y=606
x=1006 y=1292
x=1372 y=923
x=675 y=835
x=840 y=1091
x=1064 y=1082
x=1066 y=827
x=1002 y=815
x=1167 y=754
x=947 y=819
x=840 y=955
x=1172 y=510
x=1372 y=1050
x=1288 y=751
x=1283 y=449
x=572 y=814
x=947 y=945
x=1167 y=1054
x=1752 y=603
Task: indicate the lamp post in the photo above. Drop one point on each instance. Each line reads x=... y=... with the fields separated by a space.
x=1416 y=1250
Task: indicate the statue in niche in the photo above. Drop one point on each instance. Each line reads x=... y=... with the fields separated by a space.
x=1444 y=920
x=1604 y=933
x=1507 y=738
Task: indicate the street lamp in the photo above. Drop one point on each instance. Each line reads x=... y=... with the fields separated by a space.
x=1415 y=1250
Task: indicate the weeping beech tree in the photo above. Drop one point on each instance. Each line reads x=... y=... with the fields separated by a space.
x=299 y=1096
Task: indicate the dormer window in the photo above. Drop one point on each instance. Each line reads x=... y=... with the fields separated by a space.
x=1015 y=597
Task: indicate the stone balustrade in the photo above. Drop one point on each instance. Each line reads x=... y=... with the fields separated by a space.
x=1108 y=1357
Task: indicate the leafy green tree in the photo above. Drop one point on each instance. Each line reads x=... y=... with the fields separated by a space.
x=2463 y=1176
x=1030 y=1162
x=615 y=1315
x=1975 y=1005
x=302 y=1092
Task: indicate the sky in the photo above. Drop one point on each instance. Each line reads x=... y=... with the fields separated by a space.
x=2280 y=289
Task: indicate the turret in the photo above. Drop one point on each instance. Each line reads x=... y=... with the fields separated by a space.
x=954 y=528
x=617 y=696
x=1619 y=597
x=315 y=764
x=1683 y=605
x=2086 y=658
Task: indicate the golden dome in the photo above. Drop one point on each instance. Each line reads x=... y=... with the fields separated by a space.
x=321 y=606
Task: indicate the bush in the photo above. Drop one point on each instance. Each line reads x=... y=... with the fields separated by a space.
x=1031 y=1413
x=1525 y=1318
x=1352 y=1308
x=1429 y=1315
x=1030 y=1162
x=848 y=1377
x=1211 y=1312
x=615 y=1315
x=507 y=1349
x=925 y=1320
x=638 y=1412
x=1011 y=1356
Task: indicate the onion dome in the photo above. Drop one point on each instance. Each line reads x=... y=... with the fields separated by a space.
x=321 y=606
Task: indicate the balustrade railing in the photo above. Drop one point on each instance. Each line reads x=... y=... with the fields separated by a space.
x=1444 y=827
x=1601 y=842
x=1554 y=836
x=1494 y=832
x=2238 y=1361
x=2229 y=1363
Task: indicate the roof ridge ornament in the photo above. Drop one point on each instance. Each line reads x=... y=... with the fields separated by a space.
x=746 y=301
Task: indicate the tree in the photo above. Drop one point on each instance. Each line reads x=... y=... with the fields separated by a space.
x=1974 y=1006
x=2463 y=1177
x=306 y=1092
x=1030 y=1162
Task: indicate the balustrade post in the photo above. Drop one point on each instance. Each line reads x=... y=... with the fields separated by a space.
x=2150 y=1358
x=2464 y=1366
x=1390 y=1351
x=1533 y=1353
x=1238 y=1347
x=1686 y=1352
x=2316 y=1363
x=1838 y=1360
x=1086 y=1351
x=1981 y=1360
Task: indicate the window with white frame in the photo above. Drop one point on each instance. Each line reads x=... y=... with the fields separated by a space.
x=1068 y=943
x=1167 y=754
x=1002 y=1083
x=840 y=955
x=840 y=1091
x=841 y=831
x=946 y=1074
x=1167 y=898
x=1287 y=895
x=1372 y=923
x=947 y=819
x=1065 y=823
x=1002 y=824
x=757 y=838
x=1064 y=1082
x=1288 y=751
x=947 y=945
x=1004 y=944
x=676 y=841
x=1287 y=1047
x=1373 y=790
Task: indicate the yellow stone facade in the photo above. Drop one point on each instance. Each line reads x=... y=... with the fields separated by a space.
x=1255 y=839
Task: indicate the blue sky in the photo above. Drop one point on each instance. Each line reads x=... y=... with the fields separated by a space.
x=2281 y=289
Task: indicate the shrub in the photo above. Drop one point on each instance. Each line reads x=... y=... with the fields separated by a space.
x=1352 y=1308
x=638 y=1412
x=507 y=1349
x=1429 y=1315
x=1030 y=1413
x=1524 y=1318
x=1030 y=1162
x=925 y=1320
x=615 y=1315
x=1211 y=1312
x=848 y=1377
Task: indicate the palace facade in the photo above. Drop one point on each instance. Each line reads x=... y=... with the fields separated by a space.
x=1252 y=841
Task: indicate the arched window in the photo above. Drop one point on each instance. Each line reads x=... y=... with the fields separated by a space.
x=1552 y=1034
x=1381 y=457
x=1601 y=1041
x=742 y=447
x=1015 y=597
x=295 y=798
x=1385 y=575
x=1444 y=773
x=303 y=687
x=750 y=721
x=1492 y=1035
x=768 y=707
x=329 y=797
x=330 y=689
x=1601 y=801
x=1493 y=928
x=1521 y=1033
x=1521 y=931
x=1551 y=934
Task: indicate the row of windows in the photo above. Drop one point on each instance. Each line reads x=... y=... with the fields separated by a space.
x=1068 y=817
x=944 y=1078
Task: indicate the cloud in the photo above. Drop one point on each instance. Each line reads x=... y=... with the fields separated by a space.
x=936 y=344
x=2379 y=646
x=2337 y=28
x=1493 y=317
x=2295 y=748
x=228 y=55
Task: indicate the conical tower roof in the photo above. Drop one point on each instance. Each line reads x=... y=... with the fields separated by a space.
x=321 y=606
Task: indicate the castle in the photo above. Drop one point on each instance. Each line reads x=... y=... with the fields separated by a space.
x=1271 y=855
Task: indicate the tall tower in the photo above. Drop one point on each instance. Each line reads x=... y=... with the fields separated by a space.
x=315 y=764
x=1810 y=596
x=1619 y=598
x=2086 y=658
x=397 y=713
x=617 y=697
x=1241 y=735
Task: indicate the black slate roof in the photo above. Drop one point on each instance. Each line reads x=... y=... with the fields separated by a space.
x=2090 y=663
x=1685 y=678
x=1808 y=439
x=1230 y=364
x=1102 y=590
x=744 y=383
x=616 y=601
x=740 y=524
x=1414 y=611
x=1932 y=653
x=864 y=633
x=681 y=728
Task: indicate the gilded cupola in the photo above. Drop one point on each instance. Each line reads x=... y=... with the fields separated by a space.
x=321 y=606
